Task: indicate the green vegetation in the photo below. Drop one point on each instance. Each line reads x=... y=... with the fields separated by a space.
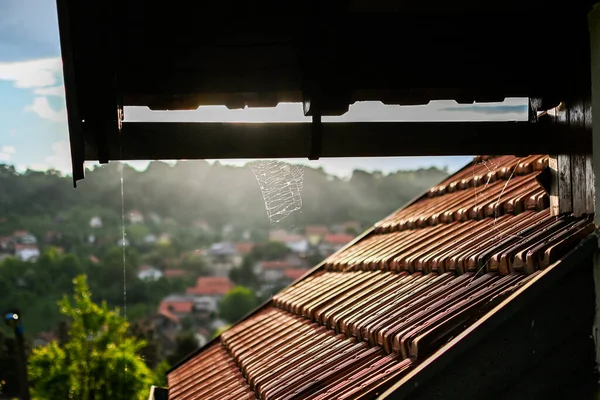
x=238 y=302
x=36 y=286
x=190 y=191
x=98 y=361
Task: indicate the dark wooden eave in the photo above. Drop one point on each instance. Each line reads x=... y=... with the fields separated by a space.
x=181 y=55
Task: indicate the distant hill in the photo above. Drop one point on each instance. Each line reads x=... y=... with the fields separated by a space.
x=197 y=190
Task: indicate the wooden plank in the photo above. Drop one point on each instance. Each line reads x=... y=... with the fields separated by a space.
x=565 y=194
x=576 y=117
x=579 y=184
x=171 y=141
x=590 y=175
x=594 y=29
x=71 y=91
x=565 y=184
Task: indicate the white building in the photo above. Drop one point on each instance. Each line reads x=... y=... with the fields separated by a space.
x=148 y=273
x=27 y=252
x=96 y=222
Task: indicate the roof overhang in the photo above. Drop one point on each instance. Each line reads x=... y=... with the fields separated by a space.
x=184 y=55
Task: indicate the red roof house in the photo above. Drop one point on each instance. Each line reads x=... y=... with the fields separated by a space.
x=244 y=247
x=211 y=286
x=339 y=238
x=174 y=273
x=294 y=273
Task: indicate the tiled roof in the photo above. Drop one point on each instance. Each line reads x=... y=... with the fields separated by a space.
x=211 y=285
x=378 y=308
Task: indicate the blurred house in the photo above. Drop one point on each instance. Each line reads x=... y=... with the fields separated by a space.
x=150 y=238
x=352 y=227
x=202 y=335
x=291 y=274
x=174 y=273
x=273 y=272
x=210 y=288
x=222 y=257
x=244 y=248
x=164 y=239
x=316 y=233
x=24 y=237
x=296 y=243
x=149 y=273
x=95 y=222
x=135 y=217
x=27 y=252
x=333 y=242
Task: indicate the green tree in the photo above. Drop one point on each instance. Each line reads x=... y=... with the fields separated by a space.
x=99 y=361
x=244 y=274
x=270 y=251
x=186 y=343
x=161 y=373
x=194 y=263
x=219 y=331
x=136 y=233
x=237 y=302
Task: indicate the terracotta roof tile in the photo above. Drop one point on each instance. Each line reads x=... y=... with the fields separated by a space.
x=380 y=307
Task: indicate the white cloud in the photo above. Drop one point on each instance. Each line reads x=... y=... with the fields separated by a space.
x=41 y=76
x=8 y=149
x=51 y=91
x=60 y=158
x=6 y=153
x=31 y=74
x=36 y=167
x=41 y=106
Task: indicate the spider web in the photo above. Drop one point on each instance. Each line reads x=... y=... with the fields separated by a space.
x=281 y=185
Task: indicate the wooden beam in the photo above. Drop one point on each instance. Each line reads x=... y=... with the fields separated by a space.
x=594 y=29
x=169 y=141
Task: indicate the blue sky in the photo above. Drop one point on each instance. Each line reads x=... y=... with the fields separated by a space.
x=33 y=129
